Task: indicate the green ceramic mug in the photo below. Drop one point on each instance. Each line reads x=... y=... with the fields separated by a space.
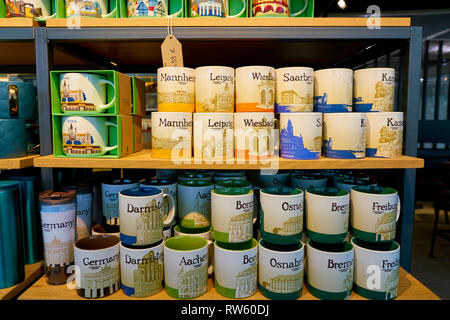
x=281 y=215
x=236 y=270
x=186 y=266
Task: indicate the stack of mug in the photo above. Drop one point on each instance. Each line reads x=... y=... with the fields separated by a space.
x=372 y=129
x=17 y=118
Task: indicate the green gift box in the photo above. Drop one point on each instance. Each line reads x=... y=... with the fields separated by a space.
x=297 y=8
x=178 y=8
x=52 y=10
x=81 y=140
x=122 y=93
x=113 y=12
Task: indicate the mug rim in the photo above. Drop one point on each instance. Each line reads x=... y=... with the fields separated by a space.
x=195 y=183
x=248 y=183
x=298 y=191
x=254 y=243
x=191 y=234
x=176 y=238
x=176 y=68
x=351 y=180
x=140 y=249
x=302 y=248
x=295 y=67
x=115 y=241
x=333 y=69
x=116 y=182
x=320 y=177
x=331 y=252
x=146 y=192
x=393 y=242
x=238 y=190
x=82 y=73
x=358 y=190
x=161 y=182
x=255 y=66
x=240 y=173
x=206 y=67
x=321 y=195
x=380 y=68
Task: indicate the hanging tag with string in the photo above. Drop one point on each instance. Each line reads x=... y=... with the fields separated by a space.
x=172 y=53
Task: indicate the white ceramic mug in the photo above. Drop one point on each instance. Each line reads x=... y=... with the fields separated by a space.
x=213 y=136
x=376 y=270
x=255 y=89
x=236 y=270
x=301 y=135
x=327 y=214
x=147 y=8
x=171 y=135
x=374 y=213
x=295 y=89
x=384 y=134
x=30 y=9
x=142 y=215
x=344 y=135
x=141 y=270
x=97 y=261
x=374 y=89
x=333 y=90
x=85 y=92
x=86 y=136
x=91 y=8
x=254 y=136
x=330 y=270
x=175 y=89
x=281 y=215
x=214 y=89
x=232 y=214
x=281 y=270
x=186 y=266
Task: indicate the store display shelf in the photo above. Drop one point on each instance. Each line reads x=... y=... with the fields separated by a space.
x=409 y=288
x=220 y=22
x=18 y=163
x=18 y=23
x=32 y=273
x=144 y=160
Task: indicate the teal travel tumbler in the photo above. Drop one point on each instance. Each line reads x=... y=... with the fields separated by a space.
x=12 y=268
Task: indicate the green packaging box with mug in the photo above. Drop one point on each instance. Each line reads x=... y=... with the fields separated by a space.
x=113 y=9
x=297 y=8
x=51 y=10
x=98 y=136
x=118 y=91
x=178 y=8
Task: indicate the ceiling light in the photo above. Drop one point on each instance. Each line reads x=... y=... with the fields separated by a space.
x=342 y=4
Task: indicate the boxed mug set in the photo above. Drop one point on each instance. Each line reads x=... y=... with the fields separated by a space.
x=96 y=113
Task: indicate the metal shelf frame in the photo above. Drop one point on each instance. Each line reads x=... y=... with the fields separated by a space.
x=47 y=38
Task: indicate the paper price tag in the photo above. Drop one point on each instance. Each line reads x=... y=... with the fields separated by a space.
x=172 y=53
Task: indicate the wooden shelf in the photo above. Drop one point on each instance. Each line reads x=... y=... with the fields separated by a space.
x=223 y=22
x=409 y=289
x=18 y=23
x=17 y=163
x=144 y=160
x=32 y=272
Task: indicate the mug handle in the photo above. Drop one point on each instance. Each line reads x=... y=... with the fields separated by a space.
x=107 y=123
x=296 y=14
x=238 y=14
x=171 y=214
x=109 y=105
x=398 y=208
x=45 y=18
x=111 y=14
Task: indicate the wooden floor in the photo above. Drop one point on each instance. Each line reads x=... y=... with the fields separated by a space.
x=409 y=289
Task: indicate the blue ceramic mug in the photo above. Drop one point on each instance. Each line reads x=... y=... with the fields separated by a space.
x=304 y=182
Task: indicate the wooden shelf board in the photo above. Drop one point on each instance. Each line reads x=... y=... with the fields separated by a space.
x=144 y=160
x=18 y=163
x=18 y=23
x=224 y=22
x=409 y=289
x=32 y=272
